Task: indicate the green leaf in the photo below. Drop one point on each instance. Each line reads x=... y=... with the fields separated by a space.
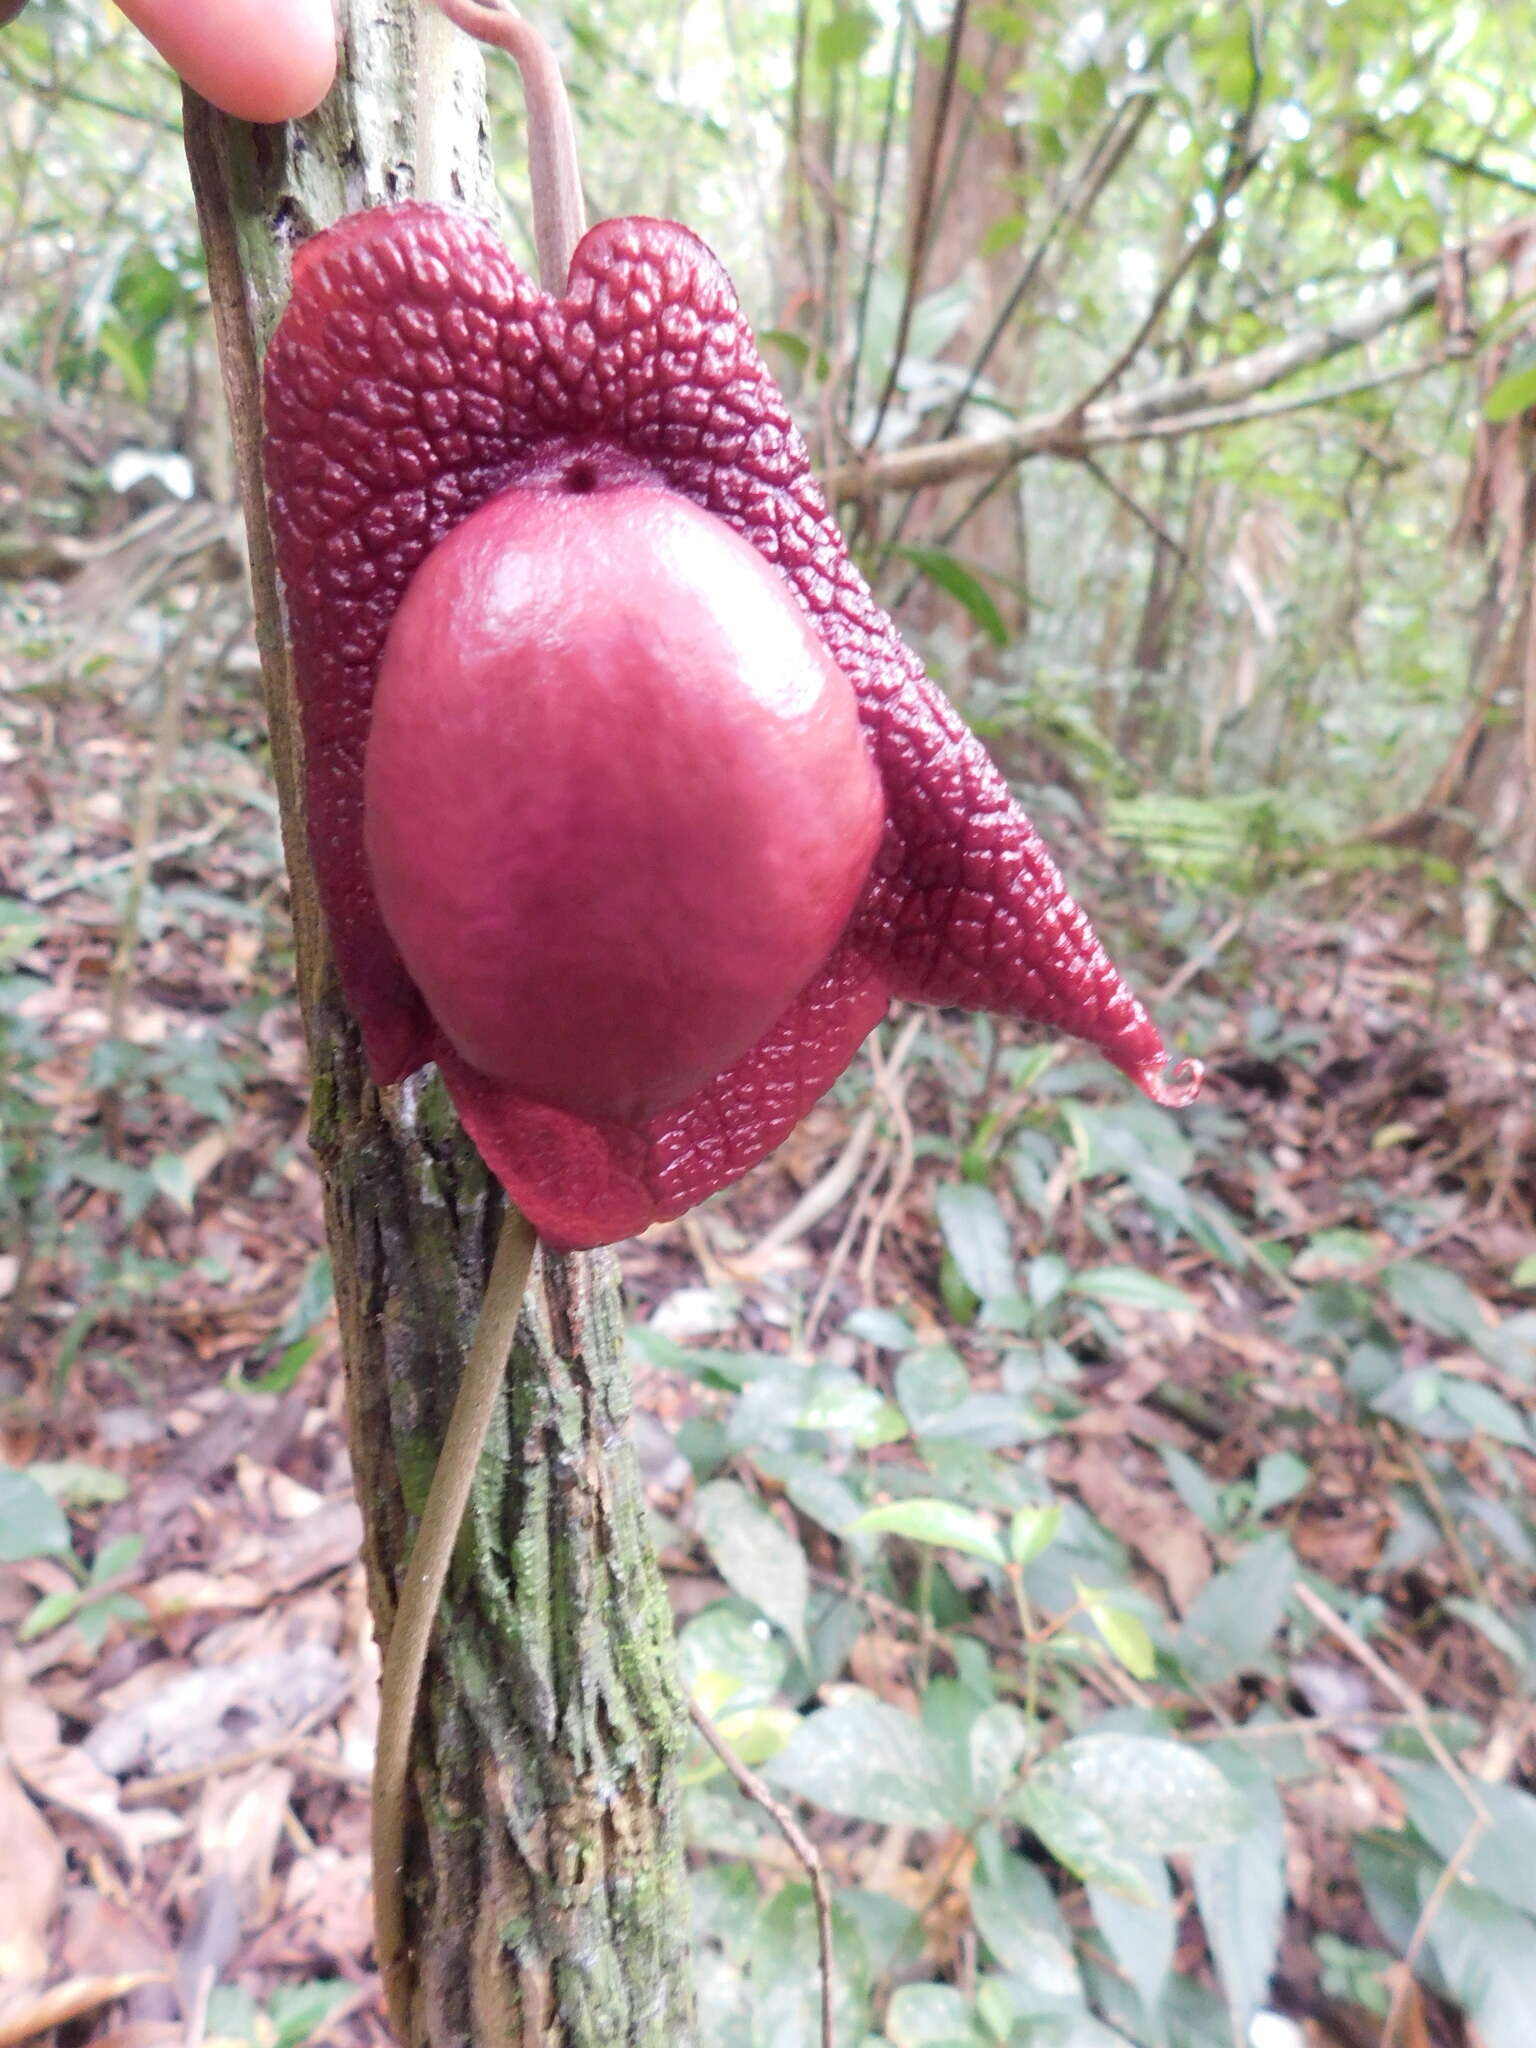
x=794 y=346
x=727 y=1644
x=1233 y=1621
x=297 y=2010
x=1240 y=1889
x=963 y=585
x=233 y=2014
x=756 y=1733
x=838 y=1400
x=1280 y=1477
x=1194 y=1488
x=931 y=2016
x=1505 y=1638
x=1124 y=1633
x=755 y=1555
x=786 y=1976
x=1103 y=1801
x=869 y=1760
x=1017 y=1917
x=95 y=1617
x=931 y=1384
x=942 y=1522
x=1130 y=1287
x=174 y=1178
x=976 y=1232
x=1032 y=1532
x=996 y=1745
x=51 y=1612
x=1485 y=1410
x=1141 y=1937
x=115 y=1557
x=881 y=1327
x=32 y=1524
x=819 y=1494
x=845 y=38
x=1515 y=391
x=1504 y=1859
x=1485 y=1949
x=78 y=1485
x=1439 y=1300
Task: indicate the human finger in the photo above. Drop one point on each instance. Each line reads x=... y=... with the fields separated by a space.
x=260 y=60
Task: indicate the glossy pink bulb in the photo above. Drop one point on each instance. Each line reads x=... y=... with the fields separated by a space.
x=617 y=805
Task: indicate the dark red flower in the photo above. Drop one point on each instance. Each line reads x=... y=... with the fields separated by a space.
x=416 y=374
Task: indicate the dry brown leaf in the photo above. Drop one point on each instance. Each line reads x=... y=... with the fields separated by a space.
x=239 y=1824
x=142 y=2034
x=1150 y=1518
x=61 y=2003
x=177 y=1593
x=209 y=1713
x=64 y=1775
x=109 y=1937
x=325 y=1541
x=883 y=1665
x=326 y=1915
x=31 y=1885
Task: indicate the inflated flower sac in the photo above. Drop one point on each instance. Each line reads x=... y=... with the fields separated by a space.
x=627 y=805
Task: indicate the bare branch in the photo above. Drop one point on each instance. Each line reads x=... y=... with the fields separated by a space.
x=1121 y=496
x=1213 y=397
x=922 y=225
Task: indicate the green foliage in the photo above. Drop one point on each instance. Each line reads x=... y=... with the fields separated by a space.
x=932 y=1499
x=291 y=2015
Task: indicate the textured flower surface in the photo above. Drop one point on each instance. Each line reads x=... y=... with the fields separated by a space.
x=416 y=374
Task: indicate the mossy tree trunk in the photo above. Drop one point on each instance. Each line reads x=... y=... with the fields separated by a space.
x=546 y=1884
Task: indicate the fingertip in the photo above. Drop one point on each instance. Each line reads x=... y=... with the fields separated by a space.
x=259 y=60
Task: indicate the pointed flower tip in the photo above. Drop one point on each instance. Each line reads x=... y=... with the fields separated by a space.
x=1171 y=1087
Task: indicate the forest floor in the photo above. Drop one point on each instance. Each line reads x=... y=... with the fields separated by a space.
x=170 y=1365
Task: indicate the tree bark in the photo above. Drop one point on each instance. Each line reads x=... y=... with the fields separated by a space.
x=546 y=1885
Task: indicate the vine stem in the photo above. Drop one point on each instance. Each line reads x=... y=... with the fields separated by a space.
x=421 y=1589
x=554 y=171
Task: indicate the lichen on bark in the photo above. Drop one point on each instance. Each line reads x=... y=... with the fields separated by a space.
x=546 y=1882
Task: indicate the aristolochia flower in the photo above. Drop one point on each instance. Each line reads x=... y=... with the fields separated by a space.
x=594 y=825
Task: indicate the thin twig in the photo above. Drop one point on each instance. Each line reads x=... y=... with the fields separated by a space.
x=1412 y=1703
x=823 y=1195
x=150 y=1791
x=1439 y=1892
x=892 y=1088
x=1137 y=510
x=922 y=222
x=174 y=677
x=877 y=209
x=860 y=1207
x=802 y=1845
x=1203 y=957
x=1425 y=1479
x=92 y=871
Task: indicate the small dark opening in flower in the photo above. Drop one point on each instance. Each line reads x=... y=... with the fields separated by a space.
x=580 y=478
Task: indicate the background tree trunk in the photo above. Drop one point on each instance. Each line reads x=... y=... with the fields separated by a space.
x=547 y=1890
